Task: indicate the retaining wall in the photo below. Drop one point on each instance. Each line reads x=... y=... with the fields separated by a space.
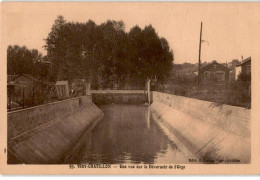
x=214 y=132
x=46 y=134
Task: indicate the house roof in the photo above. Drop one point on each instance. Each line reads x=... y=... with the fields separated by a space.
x=212 y=64
x=10 y=78
x=244 y=61
x=30 y=77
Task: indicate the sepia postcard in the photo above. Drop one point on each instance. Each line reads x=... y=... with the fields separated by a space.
x=133 y=88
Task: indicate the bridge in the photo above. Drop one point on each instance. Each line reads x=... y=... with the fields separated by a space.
x=129 y=127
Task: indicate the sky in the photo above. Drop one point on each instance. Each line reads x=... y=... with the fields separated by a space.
x=230 y=29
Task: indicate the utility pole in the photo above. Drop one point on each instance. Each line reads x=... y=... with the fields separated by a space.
x=199 y=56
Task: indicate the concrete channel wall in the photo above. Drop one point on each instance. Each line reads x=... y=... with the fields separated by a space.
x=46 y=134
x=214 y=132
x=119 y=96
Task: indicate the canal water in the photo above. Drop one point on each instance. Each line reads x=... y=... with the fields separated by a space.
x=129 y=134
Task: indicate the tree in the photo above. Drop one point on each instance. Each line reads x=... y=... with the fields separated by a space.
x=72 y=49
x=105 y=54
x=150 y=55
x=21 y=60
x=115 y=52
x=56 y=48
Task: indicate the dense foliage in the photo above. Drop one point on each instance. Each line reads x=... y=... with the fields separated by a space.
x=103 y=54
x=21 y=60
x=106 y=54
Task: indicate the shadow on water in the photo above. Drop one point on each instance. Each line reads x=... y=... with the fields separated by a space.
x=127 y=134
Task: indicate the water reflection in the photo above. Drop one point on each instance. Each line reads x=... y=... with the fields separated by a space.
x=127 y=134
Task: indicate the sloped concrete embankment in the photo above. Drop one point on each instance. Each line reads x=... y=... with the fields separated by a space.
x=47 y=134
x=215 y=133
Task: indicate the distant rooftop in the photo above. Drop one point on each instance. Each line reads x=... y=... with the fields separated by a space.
x=11 y=78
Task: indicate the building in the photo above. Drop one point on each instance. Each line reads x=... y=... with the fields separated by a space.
x=26 y=90
x=27 y=83
x=244 y=68
x=232 y=66
x=214 y=74
x=185 y=69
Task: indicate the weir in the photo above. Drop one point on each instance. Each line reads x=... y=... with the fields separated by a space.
x=114 y=126
x=101 y=97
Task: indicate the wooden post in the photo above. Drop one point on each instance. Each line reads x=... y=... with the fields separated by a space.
x=23 y=96
x=88 y=86
x=149 y=91
x=199 y=56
